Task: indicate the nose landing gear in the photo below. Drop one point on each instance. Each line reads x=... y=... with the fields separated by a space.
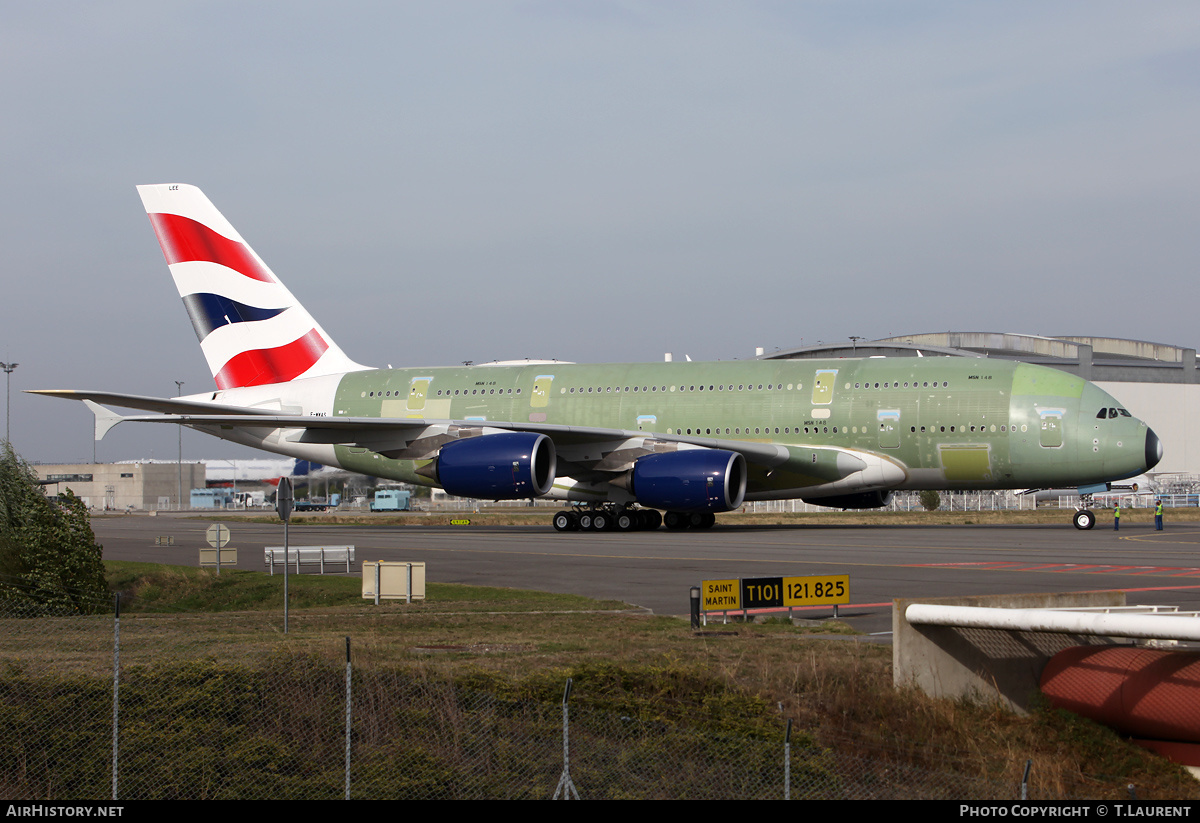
x=1084 y=518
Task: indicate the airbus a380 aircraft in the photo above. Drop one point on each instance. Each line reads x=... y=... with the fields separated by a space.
x=622 y=440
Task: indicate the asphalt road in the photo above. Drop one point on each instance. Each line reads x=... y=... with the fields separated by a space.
x=656 y=569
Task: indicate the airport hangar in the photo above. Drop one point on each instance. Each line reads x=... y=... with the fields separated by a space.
x=1153 y=381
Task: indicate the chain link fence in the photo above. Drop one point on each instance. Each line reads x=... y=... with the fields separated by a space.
x=224 y=706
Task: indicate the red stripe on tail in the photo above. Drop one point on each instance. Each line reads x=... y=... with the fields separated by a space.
x=278 y=365
x=185 y=240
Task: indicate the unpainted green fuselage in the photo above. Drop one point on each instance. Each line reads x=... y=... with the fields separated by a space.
x=948 y=422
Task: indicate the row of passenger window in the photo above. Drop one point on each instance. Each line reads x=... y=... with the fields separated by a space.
x=746 y=387
x=444 y=393
x=757 y=430
x=689 y=388
x=599 y=390
x=1004 y=429
x=889 y=385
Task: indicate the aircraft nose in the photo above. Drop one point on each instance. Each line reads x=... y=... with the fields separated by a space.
x=1153 y=449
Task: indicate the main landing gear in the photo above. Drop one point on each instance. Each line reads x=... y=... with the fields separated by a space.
x=690 y=520
x=625 y=519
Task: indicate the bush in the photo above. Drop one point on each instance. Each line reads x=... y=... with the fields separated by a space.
x=930 y=500
x=49 y=557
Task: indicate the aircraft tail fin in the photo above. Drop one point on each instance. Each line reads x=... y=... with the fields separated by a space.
x=251 y=329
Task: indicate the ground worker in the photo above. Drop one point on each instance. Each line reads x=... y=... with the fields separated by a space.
x=1158 y=515
x=1117 y=518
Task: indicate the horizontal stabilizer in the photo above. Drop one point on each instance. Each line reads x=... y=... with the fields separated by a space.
x=163 y=405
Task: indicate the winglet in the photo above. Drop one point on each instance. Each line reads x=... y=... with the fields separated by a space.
x=105 y=418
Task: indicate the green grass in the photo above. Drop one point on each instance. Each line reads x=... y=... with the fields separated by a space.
x=146 y=587
x=193 y=630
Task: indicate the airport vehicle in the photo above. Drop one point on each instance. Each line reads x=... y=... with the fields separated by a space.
x=248 y=500
x=622 y=441
x=311 y=504
x=391 y=500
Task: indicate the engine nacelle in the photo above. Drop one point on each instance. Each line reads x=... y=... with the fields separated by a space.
x=862 y=500
x=693 y=480
x=505 y=466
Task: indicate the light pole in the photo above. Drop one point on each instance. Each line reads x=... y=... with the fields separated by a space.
x=179 y=490
x=8 y=370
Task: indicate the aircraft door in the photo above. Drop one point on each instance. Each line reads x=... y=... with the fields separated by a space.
x=418 y=388
x=541 y=391
x=822 y=393
x=1051 y=425
x=889 y=428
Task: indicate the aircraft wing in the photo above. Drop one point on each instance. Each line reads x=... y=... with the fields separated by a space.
x=584 y=452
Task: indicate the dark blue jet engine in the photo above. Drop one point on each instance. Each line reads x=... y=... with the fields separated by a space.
x=693 y=480
x=505 y=466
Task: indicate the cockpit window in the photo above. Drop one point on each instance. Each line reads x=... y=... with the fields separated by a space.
x=1124 y=413
x=1112 y=413
x=1102 y=414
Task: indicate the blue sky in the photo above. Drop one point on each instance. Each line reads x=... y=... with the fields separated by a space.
x=591 y=181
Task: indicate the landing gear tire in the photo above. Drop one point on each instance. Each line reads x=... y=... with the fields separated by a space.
x=676 y=520
x=1084 y=519
x=649 y=519
x=585 y=522
x=602 y=521
x=627 y=521
x=565 y=522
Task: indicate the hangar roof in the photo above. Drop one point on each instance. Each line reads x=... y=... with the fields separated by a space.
x=1095 y=358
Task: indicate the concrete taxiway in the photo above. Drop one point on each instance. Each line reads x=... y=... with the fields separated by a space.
x=656 y=569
